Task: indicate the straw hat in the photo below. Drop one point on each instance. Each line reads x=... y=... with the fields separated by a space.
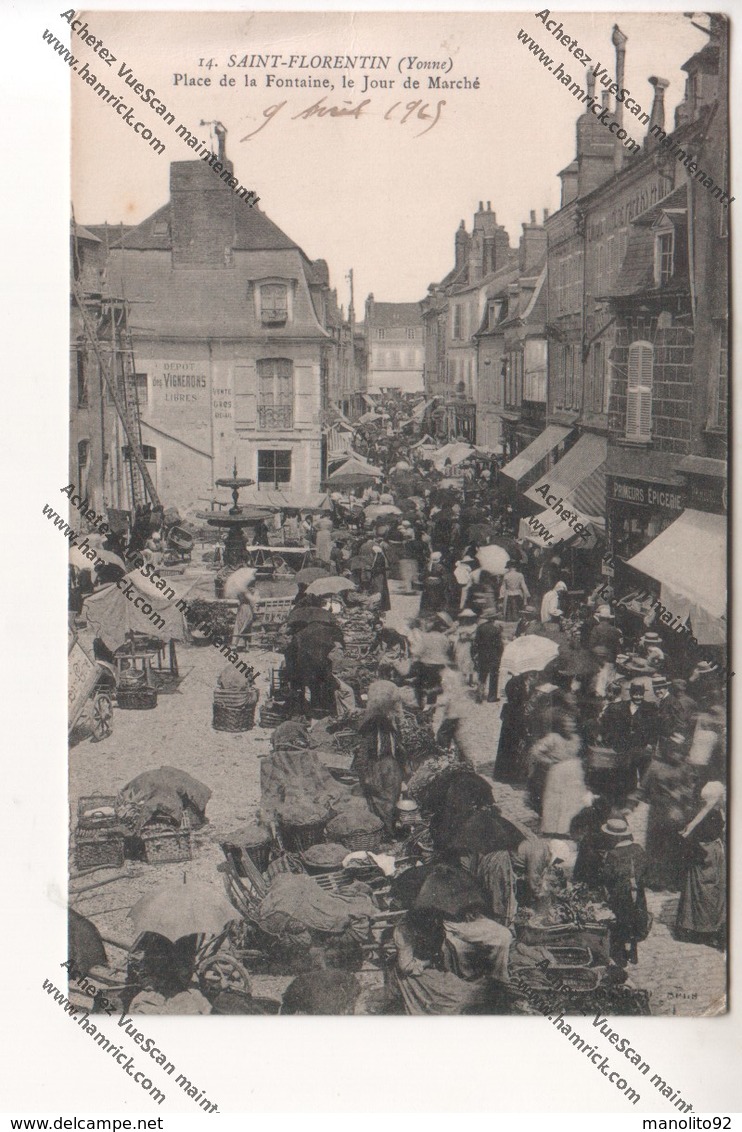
x=604 y=613
x=467 y=613
x=659 y=682
x=618 y=828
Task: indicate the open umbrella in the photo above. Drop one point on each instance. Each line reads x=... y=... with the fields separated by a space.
x=486 y=831
x=332 y=585
x=575 y=662
x=380 y=510
x=78 y=557
x=311 y=574
x=238 y=582
x=528 y=654
x=311 y=614
x=450 y=892
x=180 y=909
x=493 y=559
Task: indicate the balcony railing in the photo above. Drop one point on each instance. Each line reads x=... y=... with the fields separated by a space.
x=275 y=416
x=273 y=316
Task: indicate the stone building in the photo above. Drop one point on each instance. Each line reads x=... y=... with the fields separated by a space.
x=635 y=436
x=453 y=313
x=234 y=335
x=666 y=469
x=394 y=345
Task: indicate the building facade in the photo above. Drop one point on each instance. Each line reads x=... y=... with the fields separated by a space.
x=234 y=332
x=454 y=311
x=394 y=347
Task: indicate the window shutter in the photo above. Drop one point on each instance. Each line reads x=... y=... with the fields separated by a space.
x=245 y=394
x=639 y=399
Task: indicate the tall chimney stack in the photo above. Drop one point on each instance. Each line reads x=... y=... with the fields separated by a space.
x=618 y=39
x=657 y=116
x=591 y=83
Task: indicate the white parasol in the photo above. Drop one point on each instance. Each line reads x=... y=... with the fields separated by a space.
x=528 y=654
x=238 y=582
x=494 y=559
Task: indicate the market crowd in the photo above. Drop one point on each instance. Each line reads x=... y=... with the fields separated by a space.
x=612 y=728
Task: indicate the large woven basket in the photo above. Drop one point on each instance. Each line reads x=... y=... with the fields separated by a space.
x=269 y=716
x=356 y=839
x=136 y=699
x=297 y=838
x=227 y=718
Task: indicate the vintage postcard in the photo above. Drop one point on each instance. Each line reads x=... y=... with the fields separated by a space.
x=396 y=519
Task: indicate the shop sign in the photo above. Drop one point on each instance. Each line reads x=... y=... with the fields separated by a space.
x=665 y=497
x=708 y=494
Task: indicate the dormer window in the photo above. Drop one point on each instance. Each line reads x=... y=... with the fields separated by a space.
x=274 y=304
x=494 y=312
x=664 y=256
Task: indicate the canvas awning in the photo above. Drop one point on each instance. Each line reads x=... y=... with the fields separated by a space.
x=456 y=452
x=578 y=478
x=354 y=472
x=689 y=560
x=283 y=500
x=537 y=450
x=549 y=528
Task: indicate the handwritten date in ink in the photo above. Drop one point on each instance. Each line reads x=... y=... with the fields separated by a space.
x=402 y=113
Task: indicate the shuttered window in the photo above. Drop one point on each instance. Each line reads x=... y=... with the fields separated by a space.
x=639 y=398
x=275 y=393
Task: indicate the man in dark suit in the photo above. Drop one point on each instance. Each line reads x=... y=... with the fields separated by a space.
x=673 y=717
x=487 y=648
x=631 y=727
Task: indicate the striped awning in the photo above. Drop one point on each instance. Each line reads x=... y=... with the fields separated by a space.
x=537 y=450
x=578 y=478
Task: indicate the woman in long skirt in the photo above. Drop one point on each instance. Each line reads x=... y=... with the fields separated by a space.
x=511 y=761
x=702 y=912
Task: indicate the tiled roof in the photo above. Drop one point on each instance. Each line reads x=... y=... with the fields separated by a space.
x=637 y=270
x=396 y=314
x=110 y=232
x=206 y=301
x=253 y=231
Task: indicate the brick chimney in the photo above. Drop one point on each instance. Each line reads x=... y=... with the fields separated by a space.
x=461 y=245
x=619 y=41
x=657 y=116
x=532 y=247
x=595 y=148
x=202 y=215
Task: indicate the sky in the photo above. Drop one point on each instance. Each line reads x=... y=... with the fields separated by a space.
x=369 y=192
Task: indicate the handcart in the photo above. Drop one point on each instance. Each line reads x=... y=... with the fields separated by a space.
x=89 y=691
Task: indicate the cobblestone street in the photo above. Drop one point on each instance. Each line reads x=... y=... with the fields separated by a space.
x=682 y=978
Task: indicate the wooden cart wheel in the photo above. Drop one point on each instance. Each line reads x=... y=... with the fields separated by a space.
x=224 y=973
x=101 y=716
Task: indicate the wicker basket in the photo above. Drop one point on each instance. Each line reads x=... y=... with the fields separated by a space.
x=259 y=852
x=269 y=716
x=164 y=844
x=136 y=699
x=283 y=863
x=577 y=979
x=227 y=718
x=356 y=839
x=297 y=838
x=90 y=815
x=96 y=849
x=601 y=759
